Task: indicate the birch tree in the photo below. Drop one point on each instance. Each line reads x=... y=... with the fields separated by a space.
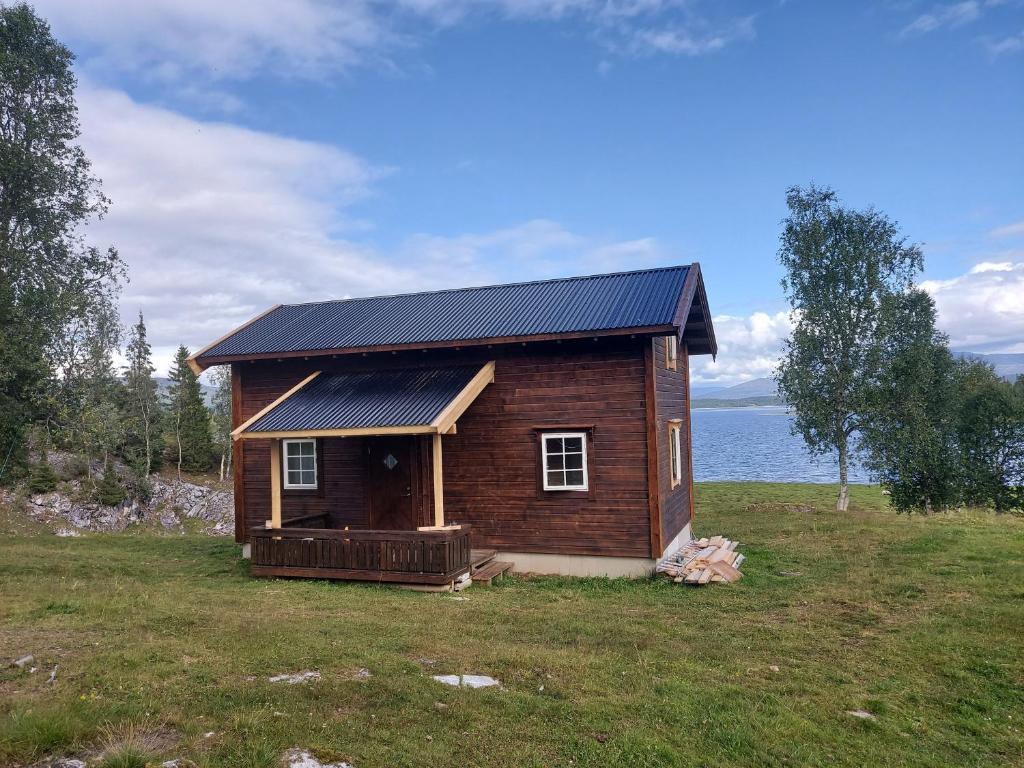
x=841 y=266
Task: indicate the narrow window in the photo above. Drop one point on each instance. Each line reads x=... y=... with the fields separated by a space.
x=299 y=463
x=670 y=352
x=675 y=454
x=564 y=461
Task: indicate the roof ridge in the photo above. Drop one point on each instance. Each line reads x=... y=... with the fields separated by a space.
x=491 y=286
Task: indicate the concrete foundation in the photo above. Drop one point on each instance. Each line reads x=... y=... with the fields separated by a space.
x=590 y=565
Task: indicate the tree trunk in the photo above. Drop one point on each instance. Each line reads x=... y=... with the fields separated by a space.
x=223 y=458
x=149 y=452
x=843 y=502
x=177 y=437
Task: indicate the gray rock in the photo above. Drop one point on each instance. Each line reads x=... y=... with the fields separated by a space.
x=468 y=681
x=860 y=713
x=302 y=758
x=296 y=677
x=24 y=661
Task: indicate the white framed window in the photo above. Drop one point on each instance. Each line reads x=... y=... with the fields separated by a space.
x=671 y=352
x=675 y=452
x=299 y=457
x=564 y=460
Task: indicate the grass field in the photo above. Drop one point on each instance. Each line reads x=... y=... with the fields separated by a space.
x=164 y=646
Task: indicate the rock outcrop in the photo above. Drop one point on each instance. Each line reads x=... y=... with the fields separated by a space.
x=173 y=505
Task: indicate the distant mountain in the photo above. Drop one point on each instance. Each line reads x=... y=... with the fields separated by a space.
x=1008 y=365
x=763 y=387
x=743 y=395
x=163 y=384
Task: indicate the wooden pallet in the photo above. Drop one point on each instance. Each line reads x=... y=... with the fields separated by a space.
x=495 y=569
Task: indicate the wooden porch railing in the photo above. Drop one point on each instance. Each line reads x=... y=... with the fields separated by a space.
x=413 y=557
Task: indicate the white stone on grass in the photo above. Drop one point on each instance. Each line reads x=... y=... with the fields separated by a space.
x=302 y=758
x=861 y=714
x=296 y=677
x=469 y=681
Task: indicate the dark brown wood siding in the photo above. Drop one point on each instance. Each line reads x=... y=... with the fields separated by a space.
x=342 y=495
x=671 y=403
x=492 y=464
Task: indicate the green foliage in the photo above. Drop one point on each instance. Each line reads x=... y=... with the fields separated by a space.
x=109 y=490
x=842 y=267
x=991 y=432
x=42 y=478
x=50 y=278
x=909 y=427
x=190 y=444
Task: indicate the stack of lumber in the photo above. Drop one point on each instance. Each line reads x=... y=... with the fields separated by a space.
x=704 y=561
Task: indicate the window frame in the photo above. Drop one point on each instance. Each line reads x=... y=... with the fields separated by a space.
x=671 y=352
x=284 y=465
x=675 y=453
x=583 y=437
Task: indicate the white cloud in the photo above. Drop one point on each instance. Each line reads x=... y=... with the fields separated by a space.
x=176 y=41
x=959 y=14
x=952 y=15
x=1010 y=230
x=1008 y=44
x=983 y=309
x=688 y=41
x=748 y=348
x=217 y=223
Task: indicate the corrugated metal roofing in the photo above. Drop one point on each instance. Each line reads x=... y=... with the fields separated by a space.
x=569 y=305
x=398 y=398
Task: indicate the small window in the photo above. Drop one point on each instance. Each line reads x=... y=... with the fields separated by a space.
x=565 y=461
x=670 y=352
x=675 y=453
x=299 y=463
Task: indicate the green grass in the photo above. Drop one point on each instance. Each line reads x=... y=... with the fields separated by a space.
x=164 y=645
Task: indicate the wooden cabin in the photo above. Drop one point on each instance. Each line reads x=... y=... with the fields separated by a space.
x=414 y=438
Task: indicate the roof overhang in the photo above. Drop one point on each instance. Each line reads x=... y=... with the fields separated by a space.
x=693 y=316
x=442 y=416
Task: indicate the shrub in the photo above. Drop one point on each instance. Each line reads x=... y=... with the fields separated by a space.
x=42 y=478
x=109 y=491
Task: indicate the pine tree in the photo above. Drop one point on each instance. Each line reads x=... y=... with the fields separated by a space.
x=189 y=418
x=143 y=405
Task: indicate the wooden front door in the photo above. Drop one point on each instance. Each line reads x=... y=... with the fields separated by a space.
x=392 y=500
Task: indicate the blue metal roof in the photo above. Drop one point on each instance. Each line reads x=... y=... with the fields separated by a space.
x=396 y=398
x=619 y=301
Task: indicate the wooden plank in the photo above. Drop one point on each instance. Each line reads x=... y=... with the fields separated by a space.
x=438 y=476
x=235 y=433
x=647 y=330
x=275 y=484
x=451 y=412
x=416 y=429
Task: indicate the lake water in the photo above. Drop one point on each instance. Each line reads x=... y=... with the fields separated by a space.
x=756 y=444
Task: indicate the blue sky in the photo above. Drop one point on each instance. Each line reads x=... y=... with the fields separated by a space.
x=305 y=150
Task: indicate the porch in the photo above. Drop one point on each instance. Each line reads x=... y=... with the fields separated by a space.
x=431 y=557
x=386 y=428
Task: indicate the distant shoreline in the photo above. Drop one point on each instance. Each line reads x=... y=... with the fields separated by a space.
x=740 y=402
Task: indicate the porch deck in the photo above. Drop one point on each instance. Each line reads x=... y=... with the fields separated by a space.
x=402 y=557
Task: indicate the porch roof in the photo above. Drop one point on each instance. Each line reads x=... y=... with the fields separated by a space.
x=400 y=401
